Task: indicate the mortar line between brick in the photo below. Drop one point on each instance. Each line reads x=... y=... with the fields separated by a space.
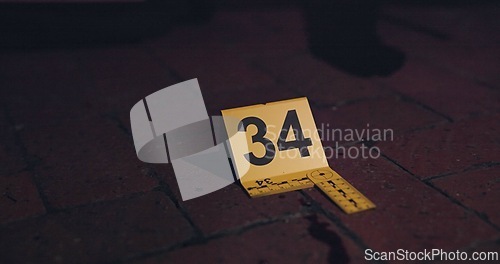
x=408 y=99
x=281 y=81
x=338 y=223
x=56 y=210
x=458 y=72
x=450 y=198
x=455 y=201
x=474 y=167
x=475 y=244
x=421 y=29
x=165 y=189
x=217 y=235
x=100 y=202
x=148 y=50
x=30 y=161
x=163 y=186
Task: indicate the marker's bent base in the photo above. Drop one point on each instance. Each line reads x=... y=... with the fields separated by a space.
x=348 y=198
x=277 y=184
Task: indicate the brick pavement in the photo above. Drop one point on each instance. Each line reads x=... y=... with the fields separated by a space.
x=73 y=191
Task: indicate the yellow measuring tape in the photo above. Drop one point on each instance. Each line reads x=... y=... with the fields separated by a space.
x=339 y=190
x=348 y=198
x=276 y=148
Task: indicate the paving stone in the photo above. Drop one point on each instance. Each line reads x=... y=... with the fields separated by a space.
x=19 y=198
x=69 y=108
x=409 y=214
x=390 y=115
x=85 y=160
x=217 y=71
x=10 y=152
x=239 y=97
x=447 y=93
x=97 y=233
x=244 y=31
x=478 y=190
x=464 y=24
x=446 y=148
x=317 y=80
x=473 y=62
x=37 y=64
x=119 y=62
x=303 y=240
x=231 y=207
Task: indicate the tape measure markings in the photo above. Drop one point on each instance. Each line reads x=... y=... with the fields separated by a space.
x=267 y=187
x=340 y=191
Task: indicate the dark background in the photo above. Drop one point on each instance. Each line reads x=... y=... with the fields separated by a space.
x=73 y=191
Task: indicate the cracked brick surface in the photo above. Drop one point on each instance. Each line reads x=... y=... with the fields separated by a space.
x=96 y=233
x=73 y=191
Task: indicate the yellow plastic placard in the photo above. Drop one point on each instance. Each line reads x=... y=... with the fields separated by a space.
x=276 y=148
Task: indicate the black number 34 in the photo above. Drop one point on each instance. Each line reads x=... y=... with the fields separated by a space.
x=291 y=121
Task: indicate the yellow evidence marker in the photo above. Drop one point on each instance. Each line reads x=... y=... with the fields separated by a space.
x=276 y=148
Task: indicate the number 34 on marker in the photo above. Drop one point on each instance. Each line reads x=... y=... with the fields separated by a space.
x=275 y=148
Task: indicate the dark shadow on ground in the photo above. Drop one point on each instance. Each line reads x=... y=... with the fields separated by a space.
x=320 y=231
x=340 y=32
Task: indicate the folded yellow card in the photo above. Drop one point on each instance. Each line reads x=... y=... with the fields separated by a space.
x=275 y=148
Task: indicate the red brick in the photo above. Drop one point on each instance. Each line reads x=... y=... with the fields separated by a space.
x=244 y=31
x=246 y=96
x=33 y=101
x=478 y=190
x=410 y=41
x=217 y=71
x=220 y=54
x=19 y=198
x=262 y=31
x=450 y=94
x=10 y=153
x=38 y=64
x=85 y=160
x=119 y=62
x=468 y=25
x=454 y=90
x=317 y=80
x=119 y=78
x=231 y=207
x=165 y=174
x=467 y=61
x=293 y=241
x=383 y=113
x=409 y=214
x=446 y=148
x=114 y=97
x=97 y=233
x=11 y=158
x=476 y=64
